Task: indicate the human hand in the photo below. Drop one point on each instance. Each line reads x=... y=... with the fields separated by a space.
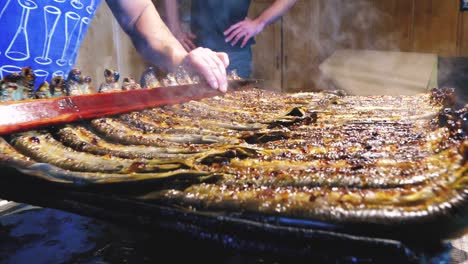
x=211 y=65
x=246 y=29
x=186 y=39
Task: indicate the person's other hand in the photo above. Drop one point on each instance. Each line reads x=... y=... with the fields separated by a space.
x=186 y=39
x=211 y=65
x=246 y=29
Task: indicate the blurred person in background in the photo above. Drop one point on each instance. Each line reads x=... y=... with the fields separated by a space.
x=223 y=26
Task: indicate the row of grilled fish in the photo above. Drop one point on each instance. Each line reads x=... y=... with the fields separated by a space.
x=320 y=156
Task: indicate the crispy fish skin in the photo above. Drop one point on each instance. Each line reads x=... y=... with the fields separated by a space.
x=11 y=157
x=169 y=122
x=119 y=132
x=333 y=203
x=44 y=148
x=367 y=159
x=82 y=139
x=374 y=159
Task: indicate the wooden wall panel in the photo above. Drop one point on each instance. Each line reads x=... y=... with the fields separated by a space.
x=107 y=46
x=363 y=24
x=300 y=50
x=366 y=24
x=426 y=26
x=463 y=35
x=343 y=25
x=436 y=26
x=327 y=27
x=267 y=53
x=393 y=30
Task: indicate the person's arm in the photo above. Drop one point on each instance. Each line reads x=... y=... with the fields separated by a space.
x=154 y=41
x=173 y=22
x=249 y=28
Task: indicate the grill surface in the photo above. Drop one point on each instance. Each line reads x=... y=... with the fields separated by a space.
x=256 y=162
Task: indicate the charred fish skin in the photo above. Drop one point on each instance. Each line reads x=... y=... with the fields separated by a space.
x=402 y=198
x=26 y=83
x=44 y=148
x=128 y=83
x=9 y=89
x=294 y=198
x=118 y=131
x=149 y=79
x=43 y=91
x=10 y=157
x=169 y=120
x=111 y=82
x=74 y=82
x=168 y=173
x=82 y=139
x=387 y=161
x=18 y=85
x=57 y=87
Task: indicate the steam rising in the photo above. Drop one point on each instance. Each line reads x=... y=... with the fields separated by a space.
x=359 y=52
x=349 y=25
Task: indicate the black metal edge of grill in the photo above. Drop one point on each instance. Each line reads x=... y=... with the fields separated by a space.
x=246 y=232
x=249 y=232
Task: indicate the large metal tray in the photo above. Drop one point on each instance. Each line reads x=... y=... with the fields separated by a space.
x=396 y=235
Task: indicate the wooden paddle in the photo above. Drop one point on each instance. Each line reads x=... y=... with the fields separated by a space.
x=24 y=115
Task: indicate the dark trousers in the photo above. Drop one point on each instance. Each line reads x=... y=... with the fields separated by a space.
x=241 y=61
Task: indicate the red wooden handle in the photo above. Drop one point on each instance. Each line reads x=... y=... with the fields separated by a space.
x=29 y=114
